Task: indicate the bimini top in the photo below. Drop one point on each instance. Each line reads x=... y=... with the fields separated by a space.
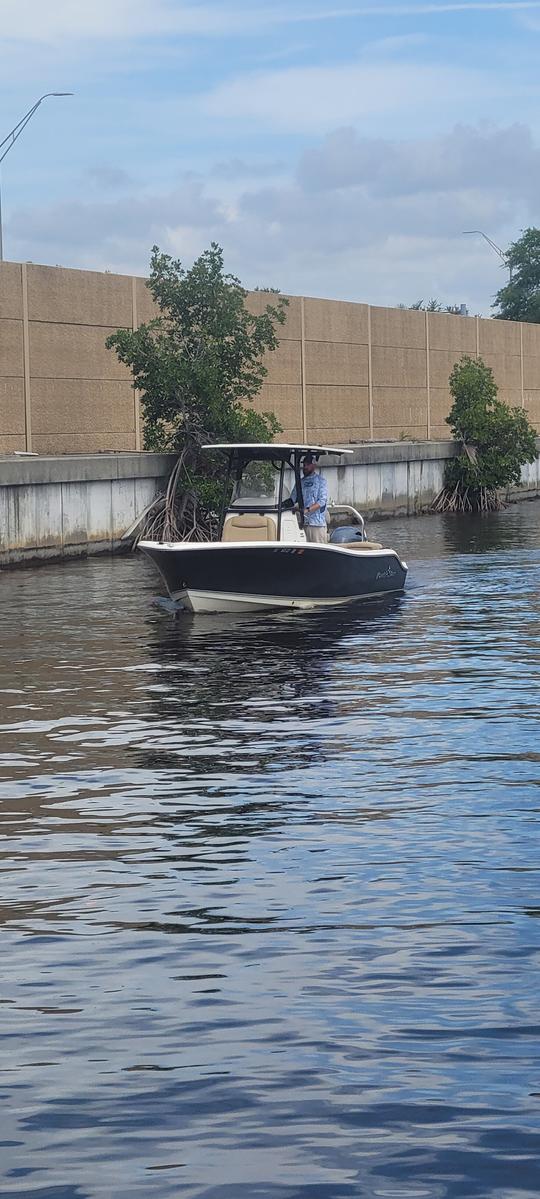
x=270 y=449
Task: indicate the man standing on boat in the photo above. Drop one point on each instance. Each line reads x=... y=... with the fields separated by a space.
x=315 y=499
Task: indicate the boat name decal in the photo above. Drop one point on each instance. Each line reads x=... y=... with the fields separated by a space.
x=386 y=574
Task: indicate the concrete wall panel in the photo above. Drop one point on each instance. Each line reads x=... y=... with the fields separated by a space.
x=400 y=432
x=100 y=513
x=145 y=491
x=291 y=330
x=146 y=309
x=10 y=442
x=92 y=406
x=454 y=334
x=284 y=364
x=21 y=517
x=282 y=398
x=346 y=407
x=338 y=364
x=337 y=435
x=124 y=506
x=73 y=352
x=400 y=407
x=531 y=341
x=10 y=292
x=532 y=406
x=396 y=327
x=12 y=416
x=11 y=348
x=71 y=313
x=336 y=321
x=498 y=337
x=82 y=443
x=439 y=431
x=49 y=512
x=440 y=405
x=74 y=513
x=399 y=368
x=531 y=373
x=441 y=365
x=78 y=297
x=384 y=488
x=506 y=370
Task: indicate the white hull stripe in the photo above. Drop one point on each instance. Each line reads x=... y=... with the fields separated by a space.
x=219 y=601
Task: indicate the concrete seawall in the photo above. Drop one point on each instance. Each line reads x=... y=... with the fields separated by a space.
x=402 y=478
x=85 y=504
x=73 y=506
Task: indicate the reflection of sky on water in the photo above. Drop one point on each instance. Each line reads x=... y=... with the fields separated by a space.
x=270 y=896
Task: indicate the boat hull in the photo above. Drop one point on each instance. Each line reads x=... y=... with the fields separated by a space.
x=224 y=577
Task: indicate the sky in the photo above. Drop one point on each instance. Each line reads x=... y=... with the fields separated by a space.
x=331 y=147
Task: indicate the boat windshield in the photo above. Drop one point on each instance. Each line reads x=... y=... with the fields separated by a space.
x=258 y=485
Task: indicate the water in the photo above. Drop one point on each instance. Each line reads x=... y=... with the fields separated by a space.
x=270 y=885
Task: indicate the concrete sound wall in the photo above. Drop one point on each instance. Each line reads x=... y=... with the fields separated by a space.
x=343 y=372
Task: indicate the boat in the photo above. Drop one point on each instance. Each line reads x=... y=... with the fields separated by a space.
x=262 y=558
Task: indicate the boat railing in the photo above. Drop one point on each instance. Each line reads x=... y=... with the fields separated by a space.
x=348 y=509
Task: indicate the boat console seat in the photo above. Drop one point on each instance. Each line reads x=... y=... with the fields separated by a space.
x=359 y=545
x=250 y=526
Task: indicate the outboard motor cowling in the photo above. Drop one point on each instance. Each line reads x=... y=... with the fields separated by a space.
x=347 y=533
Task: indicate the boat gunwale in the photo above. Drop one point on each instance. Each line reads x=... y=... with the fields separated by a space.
x=297 y=546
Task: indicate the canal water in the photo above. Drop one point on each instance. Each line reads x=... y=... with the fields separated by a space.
x=270 y=885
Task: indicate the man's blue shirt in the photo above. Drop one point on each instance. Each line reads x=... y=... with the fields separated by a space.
x=314 y=491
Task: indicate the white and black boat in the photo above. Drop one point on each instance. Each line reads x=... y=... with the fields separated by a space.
x=263 y=559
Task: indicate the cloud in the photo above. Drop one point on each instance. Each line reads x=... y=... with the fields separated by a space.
x=357 y=218
x=239 y=168
x=503 y=161
x=432 y=9
x=314 y=98
x=34 y=20
x=108 y=178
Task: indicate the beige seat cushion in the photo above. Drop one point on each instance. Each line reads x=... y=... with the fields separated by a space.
x=250 y=526
x=358 y=545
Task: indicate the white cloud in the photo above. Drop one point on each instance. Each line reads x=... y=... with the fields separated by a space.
x=314 y=99
x=411 y=9
x=35 y=20
x=362 y=219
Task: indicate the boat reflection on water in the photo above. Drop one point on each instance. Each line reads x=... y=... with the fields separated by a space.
x=250 y=673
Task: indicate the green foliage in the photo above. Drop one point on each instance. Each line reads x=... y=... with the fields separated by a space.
x=196 y=366
x=497 y=440
x=433 y=306
x=519 y=300
x=201 y=359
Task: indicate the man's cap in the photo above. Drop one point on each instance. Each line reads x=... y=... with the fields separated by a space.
x=310 y=458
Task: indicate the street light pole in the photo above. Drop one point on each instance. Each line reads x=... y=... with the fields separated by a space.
x=9 y=141
x=493 y=244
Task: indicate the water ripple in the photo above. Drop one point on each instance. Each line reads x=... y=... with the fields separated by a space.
x=270 y=884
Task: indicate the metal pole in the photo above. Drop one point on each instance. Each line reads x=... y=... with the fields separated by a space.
x=12 y=137
x=494 y=246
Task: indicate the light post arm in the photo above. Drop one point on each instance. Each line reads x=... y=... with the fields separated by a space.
x=502 y=255
x=9 y=141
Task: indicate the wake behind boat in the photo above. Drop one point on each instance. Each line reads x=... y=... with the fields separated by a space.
x=262 y=559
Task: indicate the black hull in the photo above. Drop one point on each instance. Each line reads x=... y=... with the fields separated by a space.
x=224 y=577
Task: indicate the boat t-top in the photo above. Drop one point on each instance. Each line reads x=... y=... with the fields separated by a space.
x=262 y=558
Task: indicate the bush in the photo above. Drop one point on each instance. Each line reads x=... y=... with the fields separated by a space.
x=496 y=441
